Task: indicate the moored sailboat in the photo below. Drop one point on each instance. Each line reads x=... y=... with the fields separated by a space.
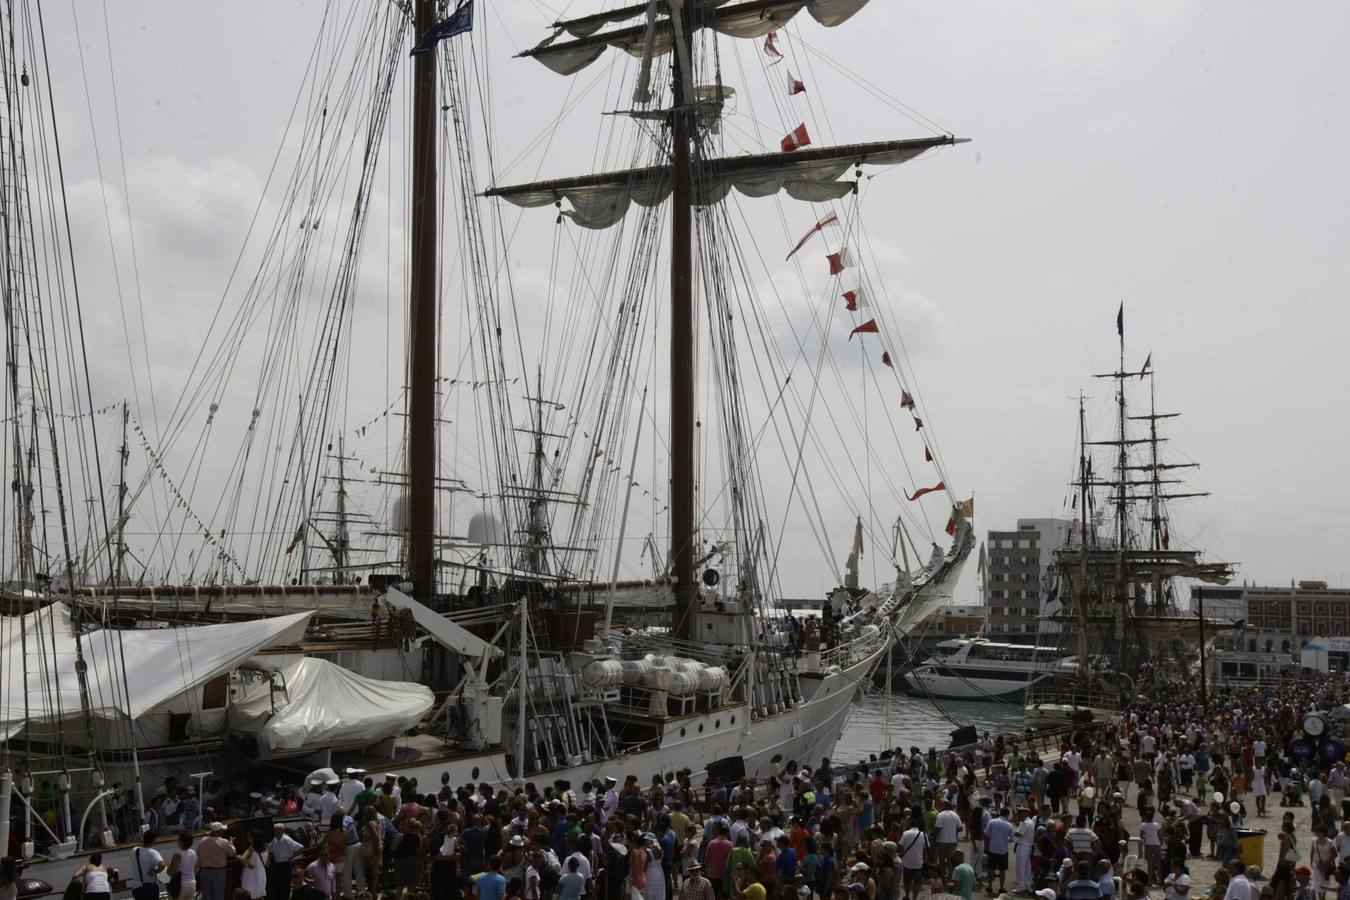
x=538 y=680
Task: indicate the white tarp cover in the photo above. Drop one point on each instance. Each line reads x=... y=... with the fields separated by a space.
x=327 y=706
x=160 y=663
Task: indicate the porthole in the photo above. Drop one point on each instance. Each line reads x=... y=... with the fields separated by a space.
x=717 y=724
x=700 y=727
x=681 y=732
x=733 y=720
x=474 y=773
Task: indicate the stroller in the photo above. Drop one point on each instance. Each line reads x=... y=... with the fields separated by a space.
x=1294 y=786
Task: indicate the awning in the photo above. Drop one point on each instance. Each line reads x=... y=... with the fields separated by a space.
x=129 y=671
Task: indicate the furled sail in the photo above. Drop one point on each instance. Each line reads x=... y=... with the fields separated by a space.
x=741 y=20
x=599 y=201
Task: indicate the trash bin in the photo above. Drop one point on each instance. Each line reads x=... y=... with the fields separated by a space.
x=1252 y=846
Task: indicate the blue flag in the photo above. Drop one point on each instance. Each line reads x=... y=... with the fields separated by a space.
x=458 y=23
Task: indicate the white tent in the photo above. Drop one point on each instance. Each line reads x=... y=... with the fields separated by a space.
x=326 y=706
x=129 y=671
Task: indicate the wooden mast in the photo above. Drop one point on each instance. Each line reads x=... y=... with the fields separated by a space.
x=422 y=317
x=682 y=339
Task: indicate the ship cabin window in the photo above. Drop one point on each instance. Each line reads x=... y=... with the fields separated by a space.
x=215 y=691
x=1010 y=652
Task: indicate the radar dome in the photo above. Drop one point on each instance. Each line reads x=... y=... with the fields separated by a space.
x=485 y=529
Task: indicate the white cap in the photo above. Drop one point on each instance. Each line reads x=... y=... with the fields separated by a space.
x=217 y=826
x=1046 y=894
x=859 y=867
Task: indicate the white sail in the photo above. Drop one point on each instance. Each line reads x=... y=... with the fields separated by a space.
x=744 y=20
x=812 y=176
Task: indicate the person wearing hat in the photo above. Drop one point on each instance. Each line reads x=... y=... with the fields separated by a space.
x=696 y=886
x=214 y=853
x=1177 y=884
x=1304 y=891
x=330 y=803
x=350 y=788
x=610 y=803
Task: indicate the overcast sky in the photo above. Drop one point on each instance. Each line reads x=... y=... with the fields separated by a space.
x=1186 y=158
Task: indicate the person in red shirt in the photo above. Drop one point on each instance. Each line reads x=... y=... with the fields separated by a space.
x=797 y=838
x=715 y=856
x=877 y=787
x=768 y=865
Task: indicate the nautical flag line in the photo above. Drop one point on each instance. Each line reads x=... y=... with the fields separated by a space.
x=831 y=219
x=940 y=486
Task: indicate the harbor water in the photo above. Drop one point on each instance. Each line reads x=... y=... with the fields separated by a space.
x=917 y=722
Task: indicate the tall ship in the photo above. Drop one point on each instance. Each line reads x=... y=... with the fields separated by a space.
x=1115 y=595
x=455 y=584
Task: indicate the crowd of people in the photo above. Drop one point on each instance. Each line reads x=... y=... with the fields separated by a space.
x=1125 y=808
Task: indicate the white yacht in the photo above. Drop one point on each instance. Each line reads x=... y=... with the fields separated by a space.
x=981 y=669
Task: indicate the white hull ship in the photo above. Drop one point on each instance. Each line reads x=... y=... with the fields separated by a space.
x=535 y=678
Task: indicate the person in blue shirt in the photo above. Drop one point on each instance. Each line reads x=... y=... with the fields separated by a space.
x=472 y=842
x=710 y=826
x=1106 y=881
x=491 y=885
x=573 y=884
x=666 y=838
x=826 y=871
x=1084 y=887
x=787 y=861
x=998 y=835
x=559 y=836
